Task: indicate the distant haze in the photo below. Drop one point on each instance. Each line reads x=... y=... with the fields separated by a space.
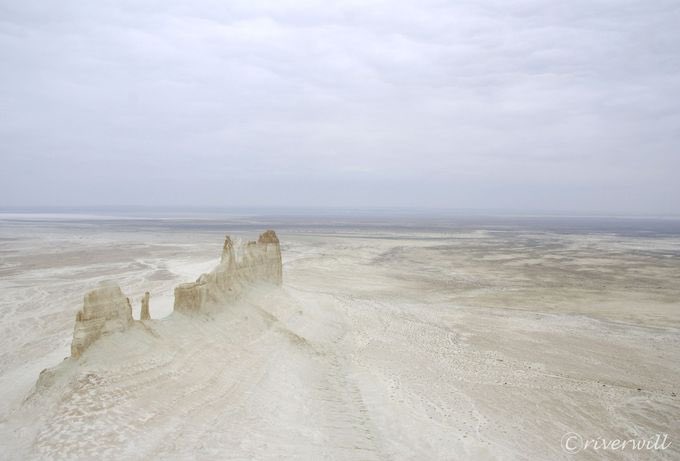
x=510 y=105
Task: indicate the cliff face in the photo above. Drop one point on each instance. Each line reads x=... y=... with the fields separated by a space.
x=270 y=247
x=107 y=310
x=261 y=262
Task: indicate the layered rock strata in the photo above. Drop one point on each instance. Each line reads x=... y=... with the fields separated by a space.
x=107 y=310
x=261 y=262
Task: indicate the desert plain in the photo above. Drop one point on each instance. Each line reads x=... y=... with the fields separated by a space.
x=392 y=337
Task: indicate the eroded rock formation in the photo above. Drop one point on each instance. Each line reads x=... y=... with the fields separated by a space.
x=261 y=262
x=107 y=310
x=144 y=313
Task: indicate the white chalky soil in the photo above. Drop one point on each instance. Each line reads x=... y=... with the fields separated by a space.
x=438 y=344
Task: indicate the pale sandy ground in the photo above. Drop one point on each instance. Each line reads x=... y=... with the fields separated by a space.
x=469 y=344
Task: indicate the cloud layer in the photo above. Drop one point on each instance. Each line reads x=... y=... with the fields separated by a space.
x=517 y=105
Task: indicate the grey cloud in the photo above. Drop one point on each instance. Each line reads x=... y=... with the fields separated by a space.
x=492 y=104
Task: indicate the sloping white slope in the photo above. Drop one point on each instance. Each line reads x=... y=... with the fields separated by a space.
x=359 y=355
x=236 y=384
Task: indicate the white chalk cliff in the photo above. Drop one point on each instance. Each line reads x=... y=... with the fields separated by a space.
x=261 y=263
x=107 y=310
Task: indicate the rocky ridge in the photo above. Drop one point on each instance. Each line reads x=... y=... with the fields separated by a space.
x=107 y=310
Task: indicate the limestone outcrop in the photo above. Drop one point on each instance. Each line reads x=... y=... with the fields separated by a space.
x=144 y=313
x=107 y=310
x=261 y=262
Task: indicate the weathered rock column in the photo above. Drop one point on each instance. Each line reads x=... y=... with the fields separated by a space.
x=144 y=315
x=272 y=269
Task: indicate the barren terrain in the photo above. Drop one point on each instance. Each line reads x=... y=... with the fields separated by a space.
x=476 y=341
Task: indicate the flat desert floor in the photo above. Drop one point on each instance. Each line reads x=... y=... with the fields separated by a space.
x=401 y=340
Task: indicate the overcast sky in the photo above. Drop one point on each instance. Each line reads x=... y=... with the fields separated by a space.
x=493 y=104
